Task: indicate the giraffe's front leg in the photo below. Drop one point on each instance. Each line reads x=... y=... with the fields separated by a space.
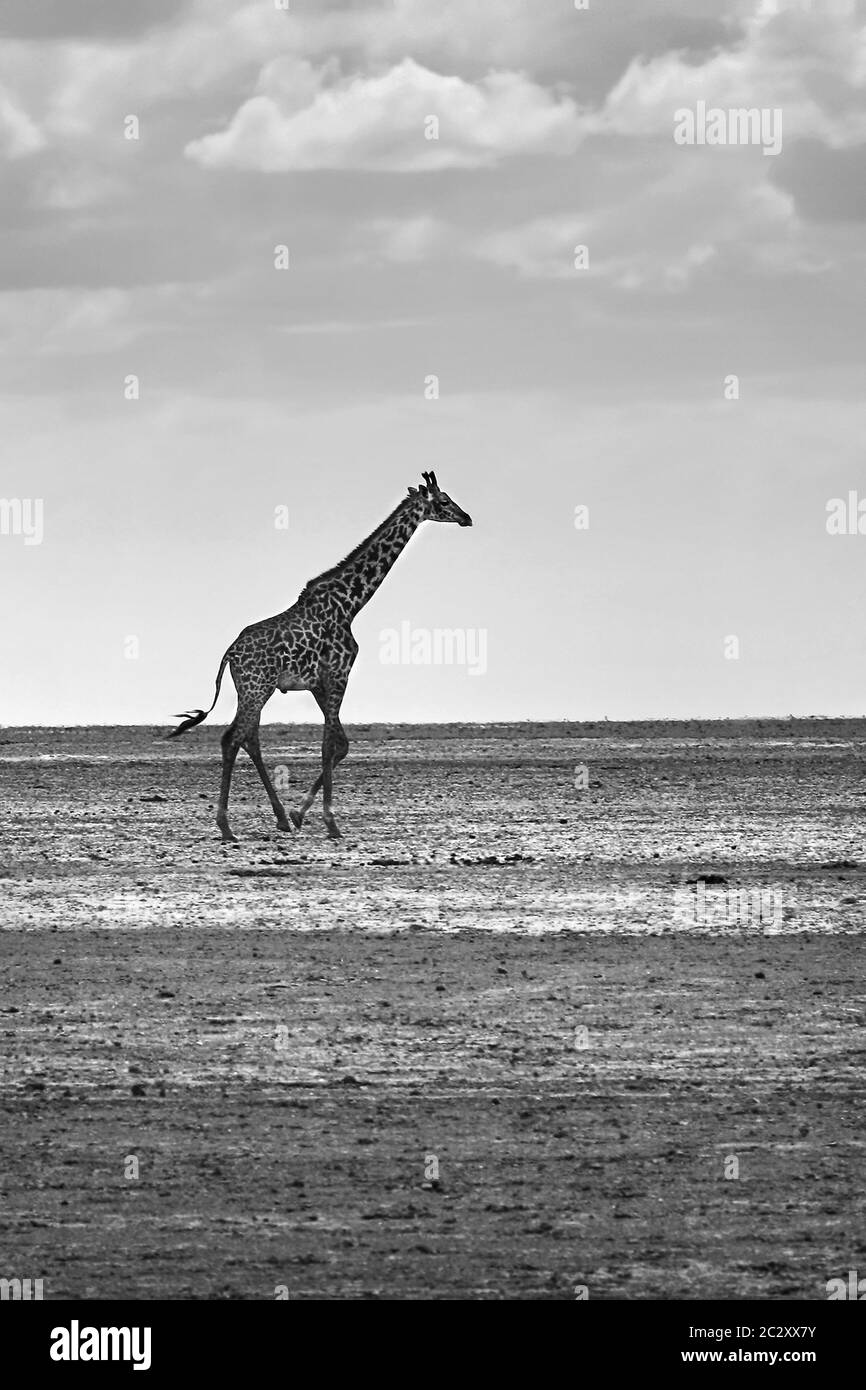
x=335 y=746
x=327 y=781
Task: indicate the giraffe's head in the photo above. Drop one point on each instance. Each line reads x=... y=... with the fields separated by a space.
x=438 y=506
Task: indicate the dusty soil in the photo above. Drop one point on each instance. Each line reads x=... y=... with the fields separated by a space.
x=500 y=975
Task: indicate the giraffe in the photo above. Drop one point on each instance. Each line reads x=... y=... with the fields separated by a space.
x=310 y=646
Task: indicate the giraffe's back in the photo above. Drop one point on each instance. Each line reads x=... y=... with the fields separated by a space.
x=290 y=651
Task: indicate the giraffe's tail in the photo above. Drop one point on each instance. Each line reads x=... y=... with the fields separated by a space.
x=198 y=716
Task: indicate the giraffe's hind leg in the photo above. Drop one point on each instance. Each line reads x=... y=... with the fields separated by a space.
x=243 y=732
x=231 y=742
x=251 y=744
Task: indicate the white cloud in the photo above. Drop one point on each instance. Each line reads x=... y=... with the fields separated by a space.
x=461 y=35
x=49 y=321
x=686 y=212
x=72 y=189
x=384 y=123
x=18 y=134
x=810 y=65
x=60 y=320
x=543 y=246
x=406 y=239
x=686 y=221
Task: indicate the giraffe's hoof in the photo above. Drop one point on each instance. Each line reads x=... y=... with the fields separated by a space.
x=283 y=825
x=334 y=830
x=296 y=819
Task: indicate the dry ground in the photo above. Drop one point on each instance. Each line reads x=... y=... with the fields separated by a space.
x=491 y=973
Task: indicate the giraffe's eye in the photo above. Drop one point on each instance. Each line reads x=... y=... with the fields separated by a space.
x=445 y=500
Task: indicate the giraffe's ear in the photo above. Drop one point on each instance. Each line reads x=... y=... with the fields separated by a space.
x=413 y=491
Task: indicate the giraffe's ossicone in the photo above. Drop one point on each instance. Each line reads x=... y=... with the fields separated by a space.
x=310 y=647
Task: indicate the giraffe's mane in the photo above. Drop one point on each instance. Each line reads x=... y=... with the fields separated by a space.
x=312 y=584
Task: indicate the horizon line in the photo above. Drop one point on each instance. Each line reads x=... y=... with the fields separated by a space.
x=490 y=723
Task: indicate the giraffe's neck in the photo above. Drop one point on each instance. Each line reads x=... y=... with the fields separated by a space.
x=355 y=580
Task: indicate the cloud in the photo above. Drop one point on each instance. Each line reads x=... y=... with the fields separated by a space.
x=694 y=219
x=407 y=119
x=552 y=41
x=74 y=322
x=811 y=65
x=330 y=86
x=405 y=239
x=546 y=249
x=18 y=134
x=43 y=321
x=706 y=211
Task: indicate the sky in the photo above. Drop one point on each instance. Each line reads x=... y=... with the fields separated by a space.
x=649 y=433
